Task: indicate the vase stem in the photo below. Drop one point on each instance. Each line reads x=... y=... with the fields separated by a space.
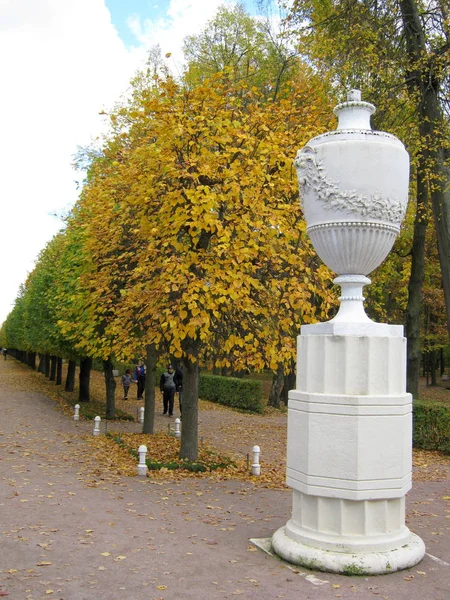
x=351 y=309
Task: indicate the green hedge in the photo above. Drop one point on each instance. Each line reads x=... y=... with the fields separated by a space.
x=245 y=394
x=431 y=426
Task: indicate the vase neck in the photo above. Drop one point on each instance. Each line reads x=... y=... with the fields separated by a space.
x=354 y=114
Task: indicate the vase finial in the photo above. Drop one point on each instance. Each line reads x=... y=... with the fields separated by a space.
x=354 y=96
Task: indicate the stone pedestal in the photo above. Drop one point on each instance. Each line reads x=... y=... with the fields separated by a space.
x=349 y=452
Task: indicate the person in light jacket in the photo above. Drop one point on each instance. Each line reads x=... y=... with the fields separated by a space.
x=126 y=382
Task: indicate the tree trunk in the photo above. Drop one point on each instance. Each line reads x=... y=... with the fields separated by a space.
x=277 y=387
x=32 y=360
x=47 y=365
x=58 y=371
x=85 y=377
x=238 y=374
x=189 y=430
x=110 y=384
x=415 y=288
x=424 y=79
x=150 y=383
x=441 y=213
x=433 y=367
x=70 y=377
x=289 y=384
x=52 y=375
x=41 y=368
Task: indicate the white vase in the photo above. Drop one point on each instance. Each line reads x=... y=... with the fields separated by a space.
x=354 y=190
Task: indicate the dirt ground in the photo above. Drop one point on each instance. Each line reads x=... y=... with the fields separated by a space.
x=73 y=533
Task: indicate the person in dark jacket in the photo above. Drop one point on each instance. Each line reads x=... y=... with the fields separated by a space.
x=168 y=387
x=139 y=377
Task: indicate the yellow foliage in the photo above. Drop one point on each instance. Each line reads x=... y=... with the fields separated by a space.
x=191 y=232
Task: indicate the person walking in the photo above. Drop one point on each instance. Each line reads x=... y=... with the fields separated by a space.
x=168 y=388
x=126 y=382
x=139 y=376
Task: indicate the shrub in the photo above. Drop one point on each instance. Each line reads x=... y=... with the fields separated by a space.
x=431 y=426
x=245 y=394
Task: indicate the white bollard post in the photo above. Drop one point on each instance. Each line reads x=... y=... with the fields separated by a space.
x=141 y=414
x=177 y=428
x=256 y=467
x=142 y=466
x=76 y=415
x=97 y=426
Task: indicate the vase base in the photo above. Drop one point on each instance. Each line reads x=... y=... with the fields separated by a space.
x=357 y=563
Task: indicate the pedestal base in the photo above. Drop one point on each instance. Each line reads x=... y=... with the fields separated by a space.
x=349 y=460
x=408 y=554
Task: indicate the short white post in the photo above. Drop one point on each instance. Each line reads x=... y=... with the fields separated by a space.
x=256 y=467
x=142 y=466
x=76 y=415
x=97 y=426
x=141 y=414
x=177 y=428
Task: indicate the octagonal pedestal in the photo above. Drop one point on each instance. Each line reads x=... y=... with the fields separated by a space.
x=349 y=455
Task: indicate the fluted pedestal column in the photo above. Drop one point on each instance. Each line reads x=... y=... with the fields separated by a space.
x=349 y=452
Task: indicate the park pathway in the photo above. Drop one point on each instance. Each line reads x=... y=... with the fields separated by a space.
x=68 y=535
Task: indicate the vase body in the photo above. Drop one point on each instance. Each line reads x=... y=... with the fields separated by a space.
x=354 y=191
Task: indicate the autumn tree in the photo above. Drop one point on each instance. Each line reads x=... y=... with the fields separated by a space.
x=102 y=214
x=73 y=302
x=36 y=330
x=249 y=48
x=204 y=181
x=434 y=331
x=256 y=53
x=13 y=332
x=41 y=309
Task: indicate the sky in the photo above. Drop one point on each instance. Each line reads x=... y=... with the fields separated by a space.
x=63 y=63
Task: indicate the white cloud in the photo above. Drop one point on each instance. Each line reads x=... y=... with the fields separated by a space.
x=184 y=17
x=62 y=62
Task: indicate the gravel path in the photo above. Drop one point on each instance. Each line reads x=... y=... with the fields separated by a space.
x=68 y=537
